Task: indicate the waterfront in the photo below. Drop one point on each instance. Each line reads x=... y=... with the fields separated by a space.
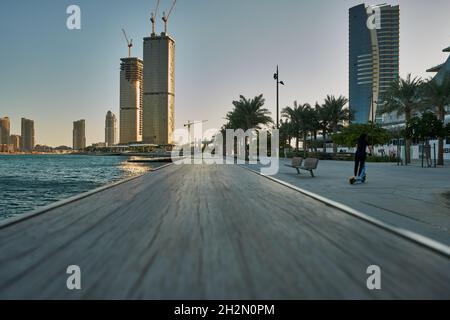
x=28 y=182
x=211 y=232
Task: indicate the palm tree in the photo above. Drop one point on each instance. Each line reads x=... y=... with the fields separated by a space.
x=248 y=114
x=437 y=95
x=286 y=132
x=310 y=125
x=332 y=115
x=315 y=126
x=324 y=125
x=299 y=116
x=291 y=117
x=404 y=97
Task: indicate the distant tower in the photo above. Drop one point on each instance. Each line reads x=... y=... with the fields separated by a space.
x=373 y=58
x=5 y=128
x=110 y=129
x=131 y=100
x=159 y=86
x=27 y=141
x=14 y=141
x=79 y=135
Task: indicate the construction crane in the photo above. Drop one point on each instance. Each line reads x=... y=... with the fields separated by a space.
x=189 y=124
x=129 y=43
x=166 y=18
x=153 y=17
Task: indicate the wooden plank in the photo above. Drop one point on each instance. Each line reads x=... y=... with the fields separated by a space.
x=215 y=232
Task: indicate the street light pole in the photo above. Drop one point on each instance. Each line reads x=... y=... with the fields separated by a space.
x=276 y=76
x=278 y=101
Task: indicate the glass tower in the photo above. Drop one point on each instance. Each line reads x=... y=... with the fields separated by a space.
x=373 y=58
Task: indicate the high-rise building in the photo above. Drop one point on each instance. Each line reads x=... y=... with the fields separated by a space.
x=27 y=141
x=110 y=129
x=131 y=95
x=374 y=58
x=442 y=70
x=5 y=128
x=14 y=141
x=159 y=89
x=79 y=135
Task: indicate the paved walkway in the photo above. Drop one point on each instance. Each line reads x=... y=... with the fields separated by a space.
x=210 y=232
x=413 y=198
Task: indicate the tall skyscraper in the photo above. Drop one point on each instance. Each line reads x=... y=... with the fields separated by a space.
x=159 y=89
x=5 y=128
x=374 y=57
x=79 y=135
x=131 y=100
x=27 y=141
x=110 y=129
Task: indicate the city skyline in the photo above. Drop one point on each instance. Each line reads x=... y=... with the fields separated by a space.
x=238 y=58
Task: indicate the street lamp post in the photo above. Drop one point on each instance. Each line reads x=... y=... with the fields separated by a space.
x=276 y=76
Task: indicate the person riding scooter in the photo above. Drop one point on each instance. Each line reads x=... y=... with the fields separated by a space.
x=360 y=155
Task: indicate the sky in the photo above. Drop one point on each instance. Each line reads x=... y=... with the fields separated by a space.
x=224 y=48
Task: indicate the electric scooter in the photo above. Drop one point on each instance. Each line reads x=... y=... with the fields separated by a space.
x=362 y=177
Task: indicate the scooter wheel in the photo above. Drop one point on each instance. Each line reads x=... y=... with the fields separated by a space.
x=352 y=180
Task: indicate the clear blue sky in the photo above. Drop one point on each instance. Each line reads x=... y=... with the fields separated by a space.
x=224 y=48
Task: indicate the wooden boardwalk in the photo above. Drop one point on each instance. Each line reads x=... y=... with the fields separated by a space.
x=210 y=232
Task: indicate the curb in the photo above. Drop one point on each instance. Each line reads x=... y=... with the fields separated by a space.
x=423 y=241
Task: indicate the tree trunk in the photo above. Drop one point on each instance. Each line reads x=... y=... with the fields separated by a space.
x=297 y=140
x=441 y=152
x=408 y=140
x=334 y=144
x=324 y=135
x=315 y=141
x=408 y=151
x=304 y=145
x=441 y=139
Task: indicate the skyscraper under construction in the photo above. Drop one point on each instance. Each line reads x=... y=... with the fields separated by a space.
x=131 y=100
x=159 y=86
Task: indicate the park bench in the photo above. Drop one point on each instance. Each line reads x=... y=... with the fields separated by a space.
x=310 y=164
x=296 y=163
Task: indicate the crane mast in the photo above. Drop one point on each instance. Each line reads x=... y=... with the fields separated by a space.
x=129 y=43
x=165 y=17
x=154 y=16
